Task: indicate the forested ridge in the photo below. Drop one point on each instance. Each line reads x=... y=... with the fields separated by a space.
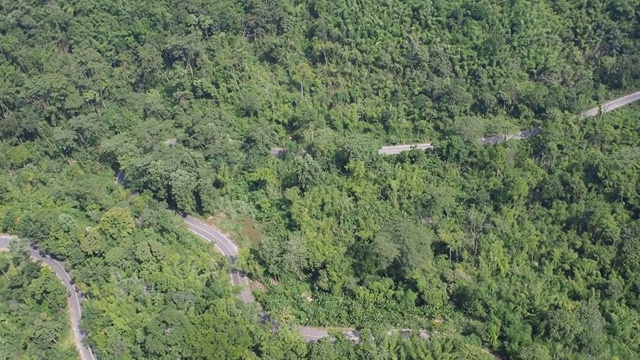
x=524 y=250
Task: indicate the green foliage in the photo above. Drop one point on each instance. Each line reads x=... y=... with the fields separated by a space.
x=526 y=250
x=33 y=311
x=402 y=247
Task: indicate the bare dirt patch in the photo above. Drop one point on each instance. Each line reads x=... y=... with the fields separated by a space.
x=251 y=229
x=243 y=228
x=216 y=220
x=256 y=285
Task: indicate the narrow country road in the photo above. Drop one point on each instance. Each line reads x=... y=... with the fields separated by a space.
x=230 y=250
x=74 y=299
x=517 y=136
x=397 y=149
x=612 y=105
x=605 y=108
x=227 y=248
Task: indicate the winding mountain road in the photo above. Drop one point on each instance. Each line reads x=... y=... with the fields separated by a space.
x=74 y=298
x=602 y=109
x=238 y=278
x=227 y=248
x=230 y=250
x=612 y=105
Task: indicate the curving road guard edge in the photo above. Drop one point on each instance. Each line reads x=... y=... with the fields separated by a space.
x=74 y=296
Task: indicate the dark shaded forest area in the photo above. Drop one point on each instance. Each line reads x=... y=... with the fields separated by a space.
x=523 y=250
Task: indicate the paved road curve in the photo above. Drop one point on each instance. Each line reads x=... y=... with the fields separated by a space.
x=74 y=299
x=227 y=248
x=230 y=250
x=238 y=278
x=612 y=105
x=605 y=108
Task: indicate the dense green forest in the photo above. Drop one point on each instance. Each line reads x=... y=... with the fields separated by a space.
x=524 y=250
x=32 y=312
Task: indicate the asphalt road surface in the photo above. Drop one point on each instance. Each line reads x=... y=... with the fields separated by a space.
x=612 y=105
x=227 y=248
x=517 y=136
x=397 y=149
x=605 y=108
x=74 y=299
x=238 y=278
x=230 y=250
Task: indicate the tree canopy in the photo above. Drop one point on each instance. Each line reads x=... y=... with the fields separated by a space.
x=524 y=249
x=32 y=310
